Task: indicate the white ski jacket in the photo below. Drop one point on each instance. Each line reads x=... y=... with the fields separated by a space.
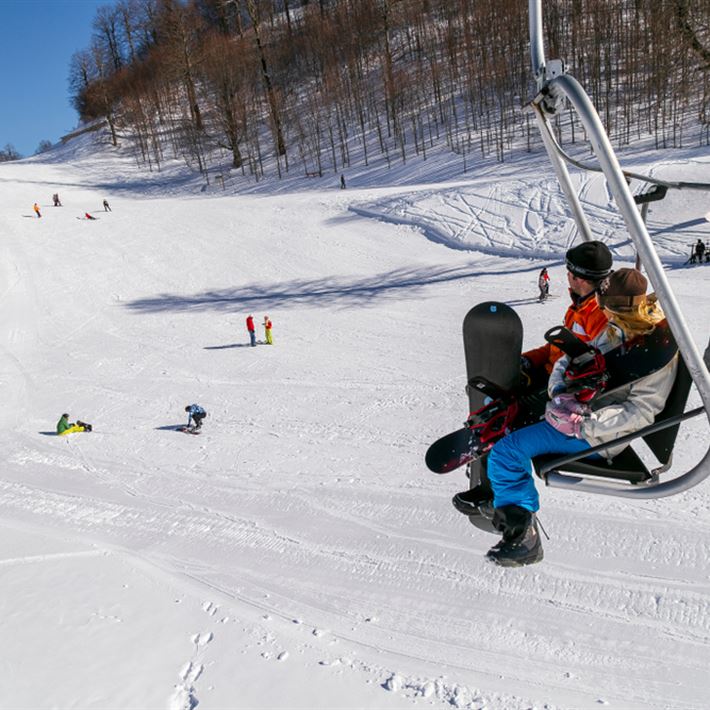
x=623 y=410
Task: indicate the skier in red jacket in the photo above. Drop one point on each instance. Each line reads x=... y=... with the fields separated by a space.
x=250 y=328
x=543 y=283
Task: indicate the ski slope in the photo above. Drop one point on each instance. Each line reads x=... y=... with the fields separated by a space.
x=297 y=554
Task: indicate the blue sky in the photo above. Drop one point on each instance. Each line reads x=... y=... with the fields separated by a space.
x=37 y=40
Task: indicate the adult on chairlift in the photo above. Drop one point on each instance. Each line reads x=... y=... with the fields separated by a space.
x=574 y=422
x=588 y=264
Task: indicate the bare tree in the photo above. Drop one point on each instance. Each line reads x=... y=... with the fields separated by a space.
x=43 y=147
x=9 y=153
x=253 y=13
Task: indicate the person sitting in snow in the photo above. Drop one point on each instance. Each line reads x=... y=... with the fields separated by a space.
x=575 y=422
x=64 y=426
x=88 y=216
x=195 y=414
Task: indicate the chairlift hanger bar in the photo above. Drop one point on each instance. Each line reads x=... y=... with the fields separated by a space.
x=538 y=108
x=554 y=85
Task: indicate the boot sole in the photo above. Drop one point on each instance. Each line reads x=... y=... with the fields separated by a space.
x=506 y=562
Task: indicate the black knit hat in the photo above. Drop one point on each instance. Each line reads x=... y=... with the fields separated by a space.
x=589 y=260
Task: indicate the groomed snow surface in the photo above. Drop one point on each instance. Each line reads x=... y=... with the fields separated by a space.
x=297 y=554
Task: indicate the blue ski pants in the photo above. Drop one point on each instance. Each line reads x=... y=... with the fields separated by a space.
x=510 y=468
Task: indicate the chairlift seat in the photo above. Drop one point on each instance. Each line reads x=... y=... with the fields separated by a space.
x=627 y=466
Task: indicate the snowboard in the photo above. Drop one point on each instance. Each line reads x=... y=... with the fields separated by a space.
x=492 y=340
x=188 y=430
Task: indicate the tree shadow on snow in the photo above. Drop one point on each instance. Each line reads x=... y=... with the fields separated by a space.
x=671 y=228
x=330 y=291
x=227 y=347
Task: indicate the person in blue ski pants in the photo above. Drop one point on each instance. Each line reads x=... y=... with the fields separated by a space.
x=573 y=422
x=195 y=414
x=509 y=465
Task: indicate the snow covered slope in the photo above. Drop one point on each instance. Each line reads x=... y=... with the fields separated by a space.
x=297 y=554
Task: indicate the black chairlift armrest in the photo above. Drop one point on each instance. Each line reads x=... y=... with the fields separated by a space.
x=657 y=192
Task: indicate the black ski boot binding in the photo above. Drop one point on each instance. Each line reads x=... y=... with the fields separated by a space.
x=475 y=501
x=520 y=544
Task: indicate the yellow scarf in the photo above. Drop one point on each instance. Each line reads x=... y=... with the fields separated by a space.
x=640 y=319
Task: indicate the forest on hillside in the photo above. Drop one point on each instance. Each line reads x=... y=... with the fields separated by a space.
x=316 y=86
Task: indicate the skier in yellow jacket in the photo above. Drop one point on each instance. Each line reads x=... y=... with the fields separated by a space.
x=267 y=331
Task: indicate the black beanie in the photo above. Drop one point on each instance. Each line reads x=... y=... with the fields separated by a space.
x=589 y=260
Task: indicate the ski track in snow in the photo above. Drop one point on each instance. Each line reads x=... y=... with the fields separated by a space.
x=302 y=517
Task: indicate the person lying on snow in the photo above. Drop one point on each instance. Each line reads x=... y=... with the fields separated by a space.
x=571 y=426
x=64 y=426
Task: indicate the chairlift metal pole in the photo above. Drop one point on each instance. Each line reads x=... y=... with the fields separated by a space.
x=553 y=86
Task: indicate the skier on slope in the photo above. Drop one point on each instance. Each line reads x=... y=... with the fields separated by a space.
x=195 y=414
x=699 y=251
x=267 y=330
x=252 y=331
x=35 y=207
x=588 y=264
x=543 y=283
x=572 y=426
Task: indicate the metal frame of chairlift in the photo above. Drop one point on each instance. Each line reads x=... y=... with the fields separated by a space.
x=554 y=86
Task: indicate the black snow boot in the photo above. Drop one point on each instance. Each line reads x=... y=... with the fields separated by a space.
x=521 y=544
x=475 y=501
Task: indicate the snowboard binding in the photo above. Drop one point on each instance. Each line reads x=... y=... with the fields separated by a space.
x=492 y=422
x=586 y=376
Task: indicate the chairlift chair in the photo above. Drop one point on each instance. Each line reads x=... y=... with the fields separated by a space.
x=625 y=475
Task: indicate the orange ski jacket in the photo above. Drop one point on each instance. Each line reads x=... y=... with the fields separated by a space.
x=584 y=318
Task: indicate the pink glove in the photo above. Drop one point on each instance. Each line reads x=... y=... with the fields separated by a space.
x=566 y=414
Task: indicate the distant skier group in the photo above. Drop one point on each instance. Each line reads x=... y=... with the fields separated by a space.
x=195 y=412
x=699 y=252
x=268 y=337
x=195 y=415
x=608 y=308
x=56 y=202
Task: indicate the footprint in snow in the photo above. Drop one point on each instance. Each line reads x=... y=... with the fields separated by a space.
x=183 y=699
x=202 y=639
x=210 y=608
